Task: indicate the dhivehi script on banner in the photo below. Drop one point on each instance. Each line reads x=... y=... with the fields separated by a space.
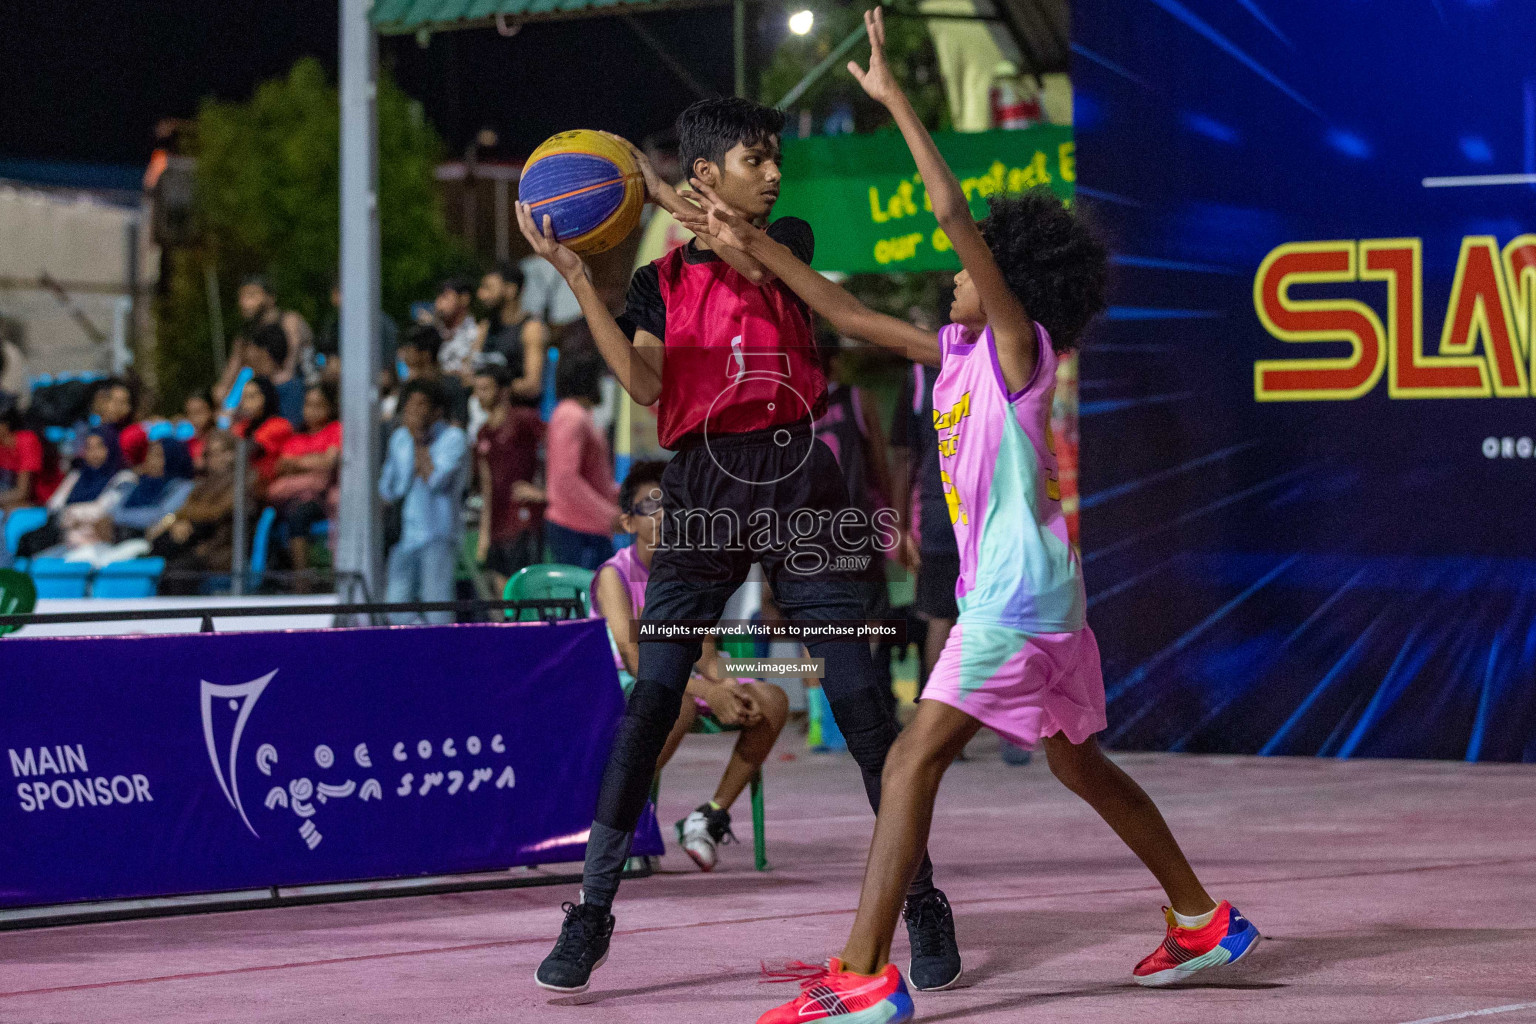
x=154 y=766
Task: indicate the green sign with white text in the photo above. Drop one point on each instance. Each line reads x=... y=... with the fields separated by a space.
x=864 y=199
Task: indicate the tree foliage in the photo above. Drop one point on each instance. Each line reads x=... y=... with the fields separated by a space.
x=268 y=201
x=909 y=50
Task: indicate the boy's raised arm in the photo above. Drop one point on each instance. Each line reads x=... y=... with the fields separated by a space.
x=636 y=366
x=846 y=313
x=1013 y=330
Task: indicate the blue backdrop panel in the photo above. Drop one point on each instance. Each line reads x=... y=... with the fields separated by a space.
x=152 y=766
x=1346 y=569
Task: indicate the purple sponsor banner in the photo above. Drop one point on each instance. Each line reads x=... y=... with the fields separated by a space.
x=153 y=766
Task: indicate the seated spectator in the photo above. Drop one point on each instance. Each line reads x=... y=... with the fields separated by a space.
x=507 y=454
x=760 y=709
x=165 y=480
x=420 y=355
x=582 y=514
x=113 y=404
x=258 y=308
x=257 y=420
x=200 y=536
x=511 y=336
x=198 y=411
x=306 y=472
x=80 y=511
x=425 y=470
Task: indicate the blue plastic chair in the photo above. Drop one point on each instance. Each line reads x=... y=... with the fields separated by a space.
x=259 y=547
x=136 y=577
x=21 y=522
x=55 y=577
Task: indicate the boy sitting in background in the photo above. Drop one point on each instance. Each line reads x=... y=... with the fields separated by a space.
x=618 y=595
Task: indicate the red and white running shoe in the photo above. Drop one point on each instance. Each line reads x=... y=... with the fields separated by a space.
x=1227 y=939
x=831 y=992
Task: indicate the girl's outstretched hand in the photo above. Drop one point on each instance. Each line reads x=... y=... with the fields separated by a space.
x=717 y=219
x=878 y=81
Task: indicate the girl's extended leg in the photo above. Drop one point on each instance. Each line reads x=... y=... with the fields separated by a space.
x=1126 y=808
x=909 y=786
x=754 y=744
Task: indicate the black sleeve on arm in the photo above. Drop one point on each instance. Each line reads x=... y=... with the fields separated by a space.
x=796 y=235
x=643 y=308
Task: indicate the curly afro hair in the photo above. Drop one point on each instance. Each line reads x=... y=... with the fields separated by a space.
x=1052 y=259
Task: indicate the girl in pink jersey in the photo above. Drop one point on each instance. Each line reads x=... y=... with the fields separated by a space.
x=758 y=709
x=1021 y=658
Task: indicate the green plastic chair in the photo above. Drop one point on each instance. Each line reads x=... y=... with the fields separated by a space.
x=736 y=647
x=18 y=596
x=538 y=582
x=564 y=581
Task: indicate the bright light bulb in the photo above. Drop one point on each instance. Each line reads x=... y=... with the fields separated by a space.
x=801 y=21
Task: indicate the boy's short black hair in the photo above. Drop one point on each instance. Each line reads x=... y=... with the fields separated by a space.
x=436 y=395
x=640 y=473
x=456 y=284
x=711 y=128
x=426 y=338
x=1053 y=260
x=497 y=372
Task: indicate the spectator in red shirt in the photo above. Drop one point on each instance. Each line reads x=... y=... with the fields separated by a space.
x=306 y=471
x=257 y=419
x=21 y=460
x=583 y=511
x=21 y=465
x=507 y=460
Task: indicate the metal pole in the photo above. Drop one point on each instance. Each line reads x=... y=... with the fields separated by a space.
x=215 y=315
x=237 y=559
x=359 y=529
x=739 y=41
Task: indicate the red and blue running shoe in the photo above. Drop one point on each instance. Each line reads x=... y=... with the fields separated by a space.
x=831 y=992
x=1227 y=939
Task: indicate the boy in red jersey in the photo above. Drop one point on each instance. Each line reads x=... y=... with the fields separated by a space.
x=727 y=355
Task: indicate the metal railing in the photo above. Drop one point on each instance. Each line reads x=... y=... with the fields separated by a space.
x=549 y=609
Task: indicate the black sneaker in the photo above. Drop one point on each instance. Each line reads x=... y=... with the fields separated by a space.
x=580 y=950
x=935 y=960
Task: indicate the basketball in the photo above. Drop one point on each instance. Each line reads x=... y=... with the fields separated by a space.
x=588 y=185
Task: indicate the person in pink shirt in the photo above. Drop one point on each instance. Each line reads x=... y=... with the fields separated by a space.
x=583 y=511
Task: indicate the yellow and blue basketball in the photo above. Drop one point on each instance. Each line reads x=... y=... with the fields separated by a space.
x=589 y=186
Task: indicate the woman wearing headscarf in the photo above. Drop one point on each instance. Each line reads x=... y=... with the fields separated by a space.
x=165 y=480
x=87 y=497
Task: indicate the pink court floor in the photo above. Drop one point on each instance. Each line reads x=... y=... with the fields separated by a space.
x=1388 y=892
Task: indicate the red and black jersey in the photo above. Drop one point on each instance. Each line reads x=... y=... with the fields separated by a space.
x=739 y=357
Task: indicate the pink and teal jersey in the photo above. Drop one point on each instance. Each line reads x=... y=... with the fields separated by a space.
x=998 y=467
x=634 y=575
